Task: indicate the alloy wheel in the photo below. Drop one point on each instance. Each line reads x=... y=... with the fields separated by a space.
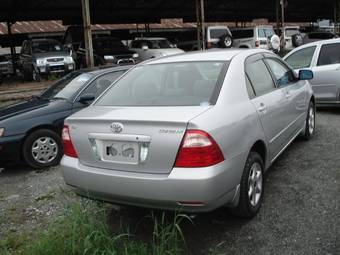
x=255 y=183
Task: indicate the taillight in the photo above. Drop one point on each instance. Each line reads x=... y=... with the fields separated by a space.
x=198 y=149
x=67 y=142
x=257 y=44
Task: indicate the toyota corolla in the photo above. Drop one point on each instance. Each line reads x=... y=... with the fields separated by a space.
x=193 y=131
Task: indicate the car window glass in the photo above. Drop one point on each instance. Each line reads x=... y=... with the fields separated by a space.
x=97 y=87
x=259 y=77
x=250 y=88
x=261 y=33
x=269 y=32
x=170 y=84
x=242 y=33
x=329 y=54
x=282 y=74
x=301 y=58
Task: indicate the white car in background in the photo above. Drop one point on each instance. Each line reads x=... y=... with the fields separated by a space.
x=323 y=58
x=260 y=37
x=148 y=48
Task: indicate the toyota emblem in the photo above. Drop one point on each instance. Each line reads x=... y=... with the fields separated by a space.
x=116 y=127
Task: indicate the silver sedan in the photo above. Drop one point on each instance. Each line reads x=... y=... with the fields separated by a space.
x=193 y=132
x=323 y=58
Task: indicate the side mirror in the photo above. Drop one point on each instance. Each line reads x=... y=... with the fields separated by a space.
x=86 y=99
x=145 y=47
x=306 y=75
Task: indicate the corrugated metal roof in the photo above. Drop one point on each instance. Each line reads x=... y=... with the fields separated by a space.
x=54 y=26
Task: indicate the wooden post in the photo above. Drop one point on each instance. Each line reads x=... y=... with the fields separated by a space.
x=13 y=51
x=283 y=41
x=200 y=24
x=87 y=32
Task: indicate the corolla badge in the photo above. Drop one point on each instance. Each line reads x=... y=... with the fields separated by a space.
x=116 y=127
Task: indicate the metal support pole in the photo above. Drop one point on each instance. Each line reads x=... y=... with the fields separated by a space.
x=283 y=41
x=87 y=32
x=200 y=16
x=13 y=51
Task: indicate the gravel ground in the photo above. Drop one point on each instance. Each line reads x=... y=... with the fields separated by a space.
x=300 y=214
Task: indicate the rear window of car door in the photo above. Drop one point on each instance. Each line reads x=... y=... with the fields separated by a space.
x=301 y=58
x=259 y=77
x=282 y=74
x=329 y=54
x=97 y=87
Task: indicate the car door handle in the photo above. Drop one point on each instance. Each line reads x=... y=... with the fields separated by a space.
x=262 y=108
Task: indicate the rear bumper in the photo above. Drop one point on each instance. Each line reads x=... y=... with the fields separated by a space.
x=194 y=190
x=10 y=148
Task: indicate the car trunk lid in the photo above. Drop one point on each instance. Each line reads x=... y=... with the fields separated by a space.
x=134 y=139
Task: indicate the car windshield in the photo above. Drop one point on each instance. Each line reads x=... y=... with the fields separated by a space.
x=169 y=84
x=67 y=86
x=46 y=46
x=108 y=43
x=159 y=44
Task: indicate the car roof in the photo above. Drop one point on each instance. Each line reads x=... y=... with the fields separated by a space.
x=207 y=55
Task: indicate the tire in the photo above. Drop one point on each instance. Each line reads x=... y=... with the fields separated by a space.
x=42 y=148
x=297 y=40
x=226 y=41
x=252 y=178
x=35 y=75
x=310 y=122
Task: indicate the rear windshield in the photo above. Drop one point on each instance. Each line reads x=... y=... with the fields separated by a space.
x=291 y=31
x=217 y=33
x=170 y=84
x=244 y=33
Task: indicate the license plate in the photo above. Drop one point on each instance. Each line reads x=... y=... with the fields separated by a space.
x=121 y=152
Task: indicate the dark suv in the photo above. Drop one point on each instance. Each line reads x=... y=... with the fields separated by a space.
x=107 y=50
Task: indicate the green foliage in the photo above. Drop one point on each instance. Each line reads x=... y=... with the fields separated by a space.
x=83 y=229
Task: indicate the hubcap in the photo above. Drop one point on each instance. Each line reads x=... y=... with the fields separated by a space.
x=255 y=184
x=311 y=120
x=44 y=150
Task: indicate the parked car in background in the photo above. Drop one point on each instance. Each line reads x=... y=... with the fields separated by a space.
x=30 y=130
x=44 y=56
x=148 y=48
x=323 y=58
x=261 y=37
x=216 y=37
x=318 y=36
x=192 y=132
x=293 y=37
x=6 y=67
x=107 y=50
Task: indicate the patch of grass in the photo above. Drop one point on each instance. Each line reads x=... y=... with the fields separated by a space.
x=83 y=229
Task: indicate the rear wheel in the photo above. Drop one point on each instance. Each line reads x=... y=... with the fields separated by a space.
x=251 y=187
x=226 y=41
x=42 y=149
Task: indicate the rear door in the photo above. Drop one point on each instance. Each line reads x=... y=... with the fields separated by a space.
x=270 y=102
x=326 y=81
